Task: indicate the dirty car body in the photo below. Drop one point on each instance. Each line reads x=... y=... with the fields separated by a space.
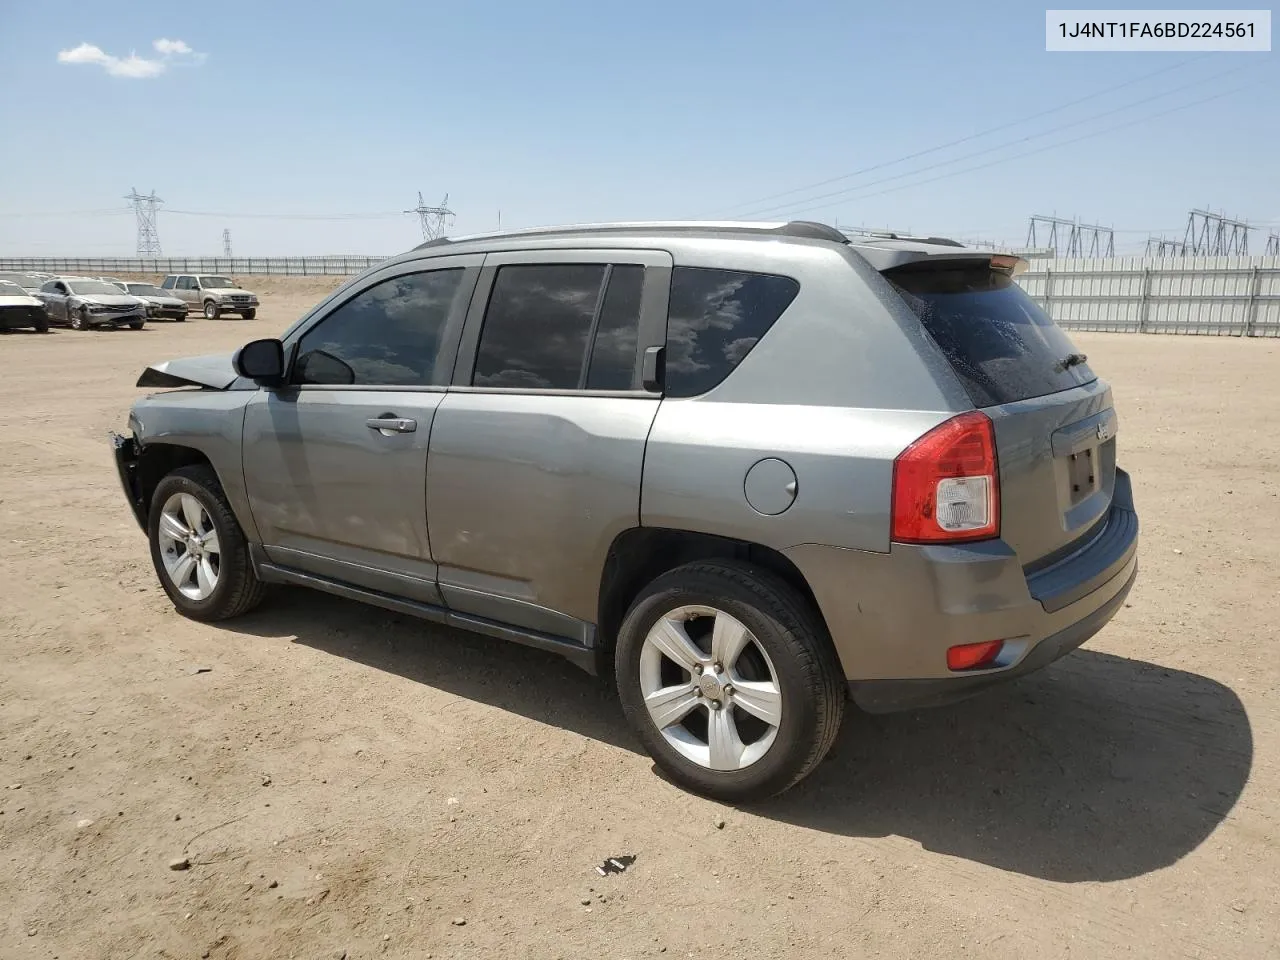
x=903 y=447
x=159 y=304
x=84 y=302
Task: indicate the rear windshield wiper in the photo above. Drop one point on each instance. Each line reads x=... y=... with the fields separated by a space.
x=1071 y=360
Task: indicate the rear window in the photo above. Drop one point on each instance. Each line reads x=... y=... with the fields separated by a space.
x=1002 y=346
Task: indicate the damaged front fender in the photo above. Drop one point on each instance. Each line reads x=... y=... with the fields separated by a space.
x=127 y=455
x=213 y=371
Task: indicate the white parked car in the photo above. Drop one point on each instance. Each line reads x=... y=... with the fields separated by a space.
x=19 y=309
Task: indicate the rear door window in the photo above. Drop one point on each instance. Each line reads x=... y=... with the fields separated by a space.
x=561 y=326
x=714 y=319
x=1002 y=346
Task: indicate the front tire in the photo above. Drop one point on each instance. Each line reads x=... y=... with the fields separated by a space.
x=210 y=310
x=248 y=314
x=137 y=326
x=198 y=549
x=728 y=677
x=80 y=319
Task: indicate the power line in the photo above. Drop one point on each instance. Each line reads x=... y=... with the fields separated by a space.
x=966 y=139
x=144 y=208
x=1029 y=153
x=432 y=219
x=1213 y=235
x=286 y=216
x=1010 y=143
x=107 y=212
x=1101 y=241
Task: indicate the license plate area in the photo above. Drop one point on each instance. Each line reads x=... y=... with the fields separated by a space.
x=1082 y=475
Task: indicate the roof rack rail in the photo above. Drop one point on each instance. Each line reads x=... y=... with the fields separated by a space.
x=803 y=229
x=889 y=235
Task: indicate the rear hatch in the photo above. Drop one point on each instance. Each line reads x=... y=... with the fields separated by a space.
x=1054 y=423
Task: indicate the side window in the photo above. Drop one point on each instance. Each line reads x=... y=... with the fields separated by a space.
x=537 y=325
x=168 y=283
x=714 y=319
x=389 y=335
x=50 y=286
x=613 y=354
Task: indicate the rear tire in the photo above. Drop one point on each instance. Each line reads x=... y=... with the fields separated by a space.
x=190 y=520
x=210 y=310
x=785 y=670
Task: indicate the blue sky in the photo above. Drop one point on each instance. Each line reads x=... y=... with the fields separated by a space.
x=561 y=112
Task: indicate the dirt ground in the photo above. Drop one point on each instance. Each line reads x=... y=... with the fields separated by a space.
x=342 y=779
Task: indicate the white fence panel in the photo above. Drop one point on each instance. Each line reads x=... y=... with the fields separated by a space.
x=1222 y=296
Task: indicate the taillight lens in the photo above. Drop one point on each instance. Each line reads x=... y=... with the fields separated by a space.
x=945 y=485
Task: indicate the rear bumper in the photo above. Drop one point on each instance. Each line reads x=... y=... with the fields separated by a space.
x=886 y=696
x=892 y=616
x=126 y=457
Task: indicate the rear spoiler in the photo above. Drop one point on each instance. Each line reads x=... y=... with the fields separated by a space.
x=929 y=256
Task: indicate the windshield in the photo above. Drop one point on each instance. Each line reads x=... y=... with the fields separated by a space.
x=215 y=282
x=94 y=287
x=145 y=290
x=1001 y=345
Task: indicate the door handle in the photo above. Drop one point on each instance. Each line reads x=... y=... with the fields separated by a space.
x=390 y=425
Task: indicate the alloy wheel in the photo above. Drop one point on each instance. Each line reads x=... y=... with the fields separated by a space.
x=710 y=688
x=189 y=546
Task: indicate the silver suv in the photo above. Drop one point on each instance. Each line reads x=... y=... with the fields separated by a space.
x=213 y=294
x=750 y=471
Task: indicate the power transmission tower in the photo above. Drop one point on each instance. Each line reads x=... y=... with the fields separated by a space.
x=1213 y=235
x=144 y=208
x=1273 y=245
x=226 y=243
x=1075 y=238
x=1164 y=247
x=433 y=219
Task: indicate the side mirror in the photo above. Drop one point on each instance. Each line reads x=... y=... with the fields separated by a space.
x=261 y=361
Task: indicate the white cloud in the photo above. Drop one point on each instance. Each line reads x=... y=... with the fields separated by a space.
x=171 y=46
x=134 y=66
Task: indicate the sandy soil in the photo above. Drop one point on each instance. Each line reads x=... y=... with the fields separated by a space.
x=346 y=780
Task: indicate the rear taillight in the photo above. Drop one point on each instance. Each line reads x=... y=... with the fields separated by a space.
x=945 y=485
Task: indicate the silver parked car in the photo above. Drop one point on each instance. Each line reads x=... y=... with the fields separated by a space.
x=749 y=470
x=84 y=302
x=212 y=294
x=160 y=305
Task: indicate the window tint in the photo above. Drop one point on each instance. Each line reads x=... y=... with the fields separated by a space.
x=537 y=325
x=613 y=352
x=999 y=342
x=715 y=318
x=389 y=335
x=168 y=283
